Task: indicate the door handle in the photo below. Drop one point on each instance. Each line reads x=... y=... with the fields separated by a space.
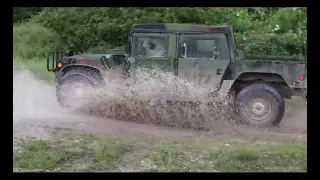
x=219 y=71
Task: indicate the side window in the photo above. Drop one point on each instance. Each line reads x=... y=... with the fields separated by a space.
x=215 y=48
x=151 y=46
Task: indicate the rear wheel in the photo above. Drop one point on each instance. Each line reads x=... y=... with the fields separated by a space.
x=260 y=105
x=71 y=91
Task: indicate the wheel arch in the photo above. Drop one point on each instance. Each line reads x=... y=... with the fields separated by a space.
x=89 y=72
x=266 y=77
x=247 y=78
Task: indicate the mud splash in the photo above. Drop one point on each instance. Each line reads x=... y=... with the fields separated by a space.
x=145 y=102
x=30 y=96
x=33 y=103
x=35 y=108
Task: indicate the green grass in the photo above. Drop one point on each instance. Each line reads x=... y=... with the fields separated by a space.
x=282 y=158
x=40 y=155
x=295 y=104
x=87 y=152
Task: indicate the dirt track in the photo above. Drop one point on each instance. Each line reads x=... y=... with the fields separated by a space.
x=35 y=108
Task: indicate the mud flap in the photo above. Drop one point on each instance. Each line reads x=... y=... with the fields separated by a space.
x=222 y=93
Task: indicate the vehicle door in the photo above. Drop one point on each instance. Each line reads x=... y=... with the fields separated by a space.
x=203 y=59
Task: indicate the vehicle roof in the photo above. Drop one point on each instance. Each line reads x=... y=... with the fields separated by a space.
x=176 y=27
x=182 y=28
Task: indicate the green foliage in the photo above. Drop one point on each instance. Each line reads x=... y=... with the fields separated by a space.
x=282 y=32
x=21 y=14
x=32 y=40
x=258 y=31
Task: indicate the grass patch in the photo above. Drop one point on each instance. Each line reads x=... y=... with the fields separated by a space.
x=166 y=157
x=295 y=103
x=39 y=155
x=109 y=153
x=87 y=152
x=280 y=158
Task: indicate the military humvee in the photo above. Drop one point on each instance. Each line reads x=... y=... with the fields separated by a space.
x=208 y=53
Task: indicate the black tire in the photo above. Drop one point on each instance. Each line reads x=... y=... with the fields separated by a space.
x=67 y=82
x=260 y=105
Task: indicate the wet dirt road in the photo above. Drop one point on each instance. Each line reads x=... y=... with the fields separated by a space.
x=35 y=109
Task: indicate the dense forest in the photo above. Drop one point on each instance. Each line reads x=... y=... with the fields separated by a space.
x=263 y=31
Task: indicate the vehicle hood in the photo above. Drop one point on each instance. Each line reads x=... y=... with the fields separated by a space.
x=97 y=56
x=90 y=56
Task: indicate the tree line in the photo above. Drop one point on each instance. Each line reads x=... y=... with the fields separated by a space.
x=263 y=31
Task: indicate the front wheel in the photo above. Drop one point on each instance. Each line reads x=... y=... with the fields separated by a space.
x=70 y=93
x=260 y=105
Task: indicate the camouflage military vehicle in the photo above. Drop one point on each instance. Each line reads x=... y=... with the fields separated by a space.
x=206 y=55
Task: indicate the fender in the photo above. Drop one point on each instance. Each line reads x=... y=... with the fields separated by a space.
x=224 y=88
x=73 y=73
x=226 y=85
x=265 y=76
x=82 y=70
x=80 y=65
